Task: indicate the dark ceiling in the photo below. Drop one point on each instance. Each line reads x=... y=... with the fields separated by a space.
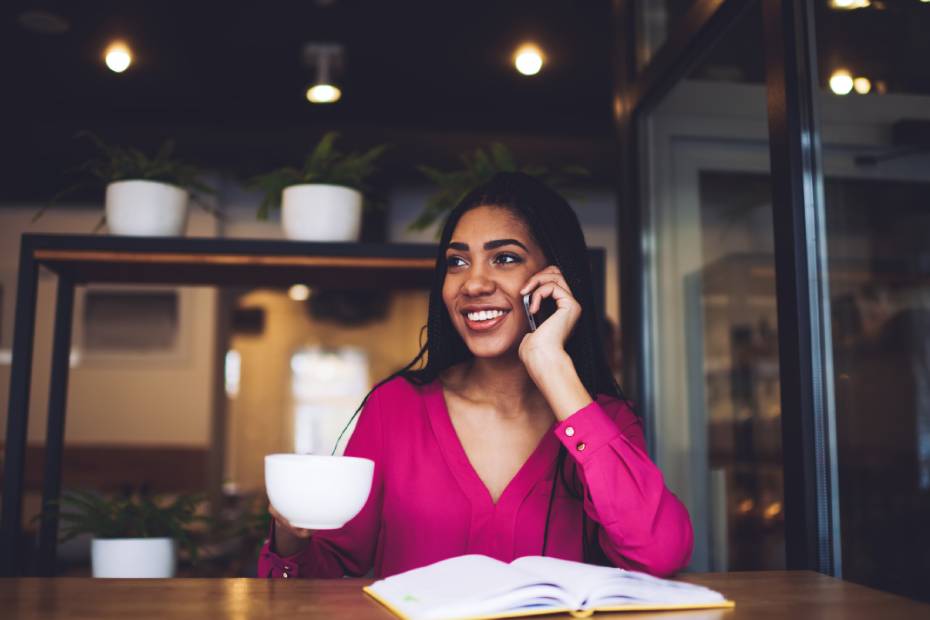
x=227 y=79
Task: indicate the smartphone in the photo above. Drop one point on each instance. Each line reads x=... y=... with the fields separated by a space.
x=546 y=309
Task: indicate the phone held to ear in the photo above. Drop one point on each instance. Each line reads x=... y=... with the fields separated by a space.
x=546 y=309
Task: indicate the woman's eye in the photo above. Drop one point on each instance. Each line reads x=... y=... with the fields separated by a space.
x=453 y=261
x=508 y=259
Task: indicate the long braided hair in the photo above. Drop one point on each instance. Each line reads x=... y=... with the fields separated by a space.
x=556 y=229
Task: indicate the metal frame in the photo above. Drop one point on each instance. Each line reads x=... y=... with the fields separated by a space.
x=811 y=503
x=805 y=344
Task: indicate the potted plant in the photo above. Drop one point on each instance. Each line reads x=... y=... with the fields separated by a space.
x=322 y=200
x=479 y=167
x=134 y=535
x=145 y=196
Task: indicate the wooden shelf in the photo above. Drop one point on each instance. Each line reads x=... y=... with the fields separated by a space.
x=233 y=262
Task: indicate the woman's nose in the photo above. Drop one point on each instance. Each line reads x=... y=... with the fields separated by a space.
x=478 y=284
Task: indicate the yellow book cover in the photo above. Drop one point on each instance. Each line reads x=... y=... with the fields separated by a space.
x=477 y=587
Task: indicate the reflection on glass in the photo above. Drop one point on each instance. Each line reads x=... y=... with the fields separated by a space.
x=714 y=397
x=876 y=145
x=655 y=19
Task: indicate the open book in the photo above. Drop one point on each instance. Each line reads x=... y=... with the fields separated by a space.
x=476 y=586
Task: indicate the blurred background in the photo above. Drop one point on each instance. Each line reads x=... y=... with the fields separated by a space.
x=153 y=367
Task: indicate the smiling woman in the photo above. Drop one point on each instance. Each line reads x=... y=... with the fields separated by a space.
x=502 y=441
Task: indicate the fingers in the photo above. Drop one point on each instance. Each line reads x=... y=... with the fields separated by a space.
x=548 y=282
x=297 y=532
x=549 y=274
x=550 y=289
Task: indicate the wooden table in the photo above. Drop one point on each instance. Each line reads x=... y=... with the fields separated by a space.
x=798 y=595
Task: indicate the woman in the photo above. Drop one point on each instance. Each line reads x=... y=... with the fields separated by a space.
x=506 y=442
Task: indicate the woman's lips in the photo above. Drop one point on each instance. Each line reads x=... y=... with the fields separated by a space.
x=483 y=326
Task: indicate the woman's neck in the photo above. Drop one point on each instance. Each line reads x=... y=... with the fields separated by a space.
x=500 y=382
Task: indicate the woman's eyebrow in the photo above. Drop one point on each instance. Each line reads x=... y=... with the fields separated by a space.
x=490 y=245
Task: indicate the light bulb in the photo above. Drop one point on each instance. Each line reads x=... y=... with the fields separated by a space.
x=118 y=57
x=323 y=93
x=849 y=5
x=862 y=85
x=841 y=82
x=299 y=292
x=528 y=60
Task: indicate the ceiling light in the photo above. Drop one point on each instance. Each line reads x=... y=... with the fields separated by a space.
x=118 y=57
x=849 y=5
x=323 y=93
x=299 y=292
x=862 y=85
x=528 y=59
x=841 y=82
x=326 y=59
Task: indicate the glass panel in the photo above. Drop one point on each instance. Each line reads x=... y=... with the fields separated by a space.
x=876 y=149
x=713 y=406
x=654 y=20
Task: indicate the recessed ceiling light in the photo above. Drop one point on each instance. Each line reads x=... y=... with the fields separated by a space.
x=118 y=56
x=299 y=292
x=528 y=59
x=849 y=5
x=841 y=82
x=43 y=22
x=862 y=85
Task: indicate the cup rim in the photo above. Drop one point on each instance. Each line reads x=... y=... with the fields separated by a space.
x=290 y=456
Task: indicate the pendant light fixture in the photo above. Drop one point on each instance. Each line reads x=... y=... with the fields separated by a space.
x=325 y=59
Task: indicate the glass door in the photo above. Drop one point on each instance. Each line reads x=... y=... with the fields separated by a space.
x=714 y=411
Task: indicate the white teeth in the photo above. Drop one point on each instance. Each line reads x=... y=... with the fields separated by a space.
x=484 y=315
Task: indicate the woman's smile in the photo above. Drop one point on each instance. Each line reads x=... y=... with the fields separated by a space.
x=484 y=320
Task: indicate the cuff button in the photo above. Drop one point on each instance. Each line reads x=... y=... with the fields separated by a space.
x=569 y=431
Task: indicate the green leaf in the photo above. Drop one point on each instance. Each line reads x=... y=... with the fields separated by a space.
x=116 y=163
x=324 y=164
x=478 y=167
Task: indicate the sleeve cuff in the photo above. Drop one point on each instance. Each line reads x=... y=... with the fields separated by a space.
x=586 y=431
x=285 y=567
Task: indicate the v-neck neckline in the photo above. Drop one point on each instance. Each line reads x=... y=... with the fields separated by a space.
x=532 y=471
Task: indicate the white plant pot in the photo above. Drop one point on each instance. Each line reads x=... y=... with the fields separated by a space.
x=316 y=212
x=146 y=209
x=133 y=557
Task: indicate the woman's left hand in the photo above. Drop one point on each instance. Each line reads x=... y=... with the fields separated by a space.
x=550 y=337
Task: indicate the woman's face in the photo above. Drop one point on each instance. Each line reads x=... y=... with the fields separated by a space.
x=490 y=256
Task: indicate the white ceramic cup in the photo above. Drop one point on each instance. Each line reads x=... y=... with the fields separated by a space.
x=318 y=492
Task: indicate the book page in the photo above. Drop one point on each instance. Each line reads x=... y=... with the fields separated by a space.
x=598 y=586
x=464 y=586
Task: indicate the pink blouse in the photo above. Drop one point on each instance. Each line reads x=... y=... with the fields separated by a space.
x=427 y=503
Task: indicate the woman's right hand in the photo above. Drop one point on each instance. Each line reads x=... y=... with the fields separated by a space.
x=287 y=539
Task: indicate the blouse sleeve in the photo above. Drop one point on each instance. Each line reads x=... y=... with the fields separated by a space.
x=643 y=526
x=349 y=550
